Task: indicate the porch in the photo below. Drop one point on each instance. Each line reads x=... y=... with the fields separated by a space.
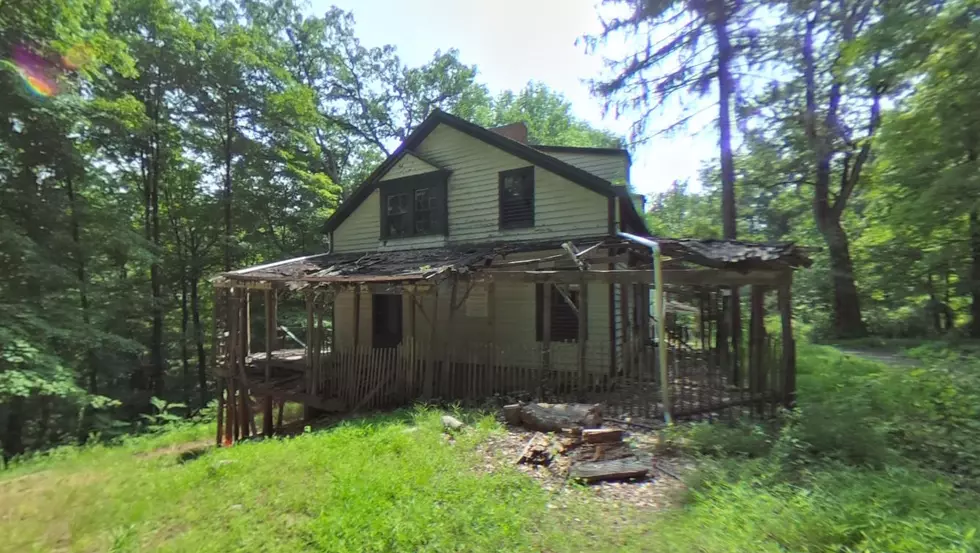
x=337 y=363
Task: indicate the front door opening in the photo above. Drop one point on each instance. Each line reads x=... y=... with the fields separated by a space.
x=387 y=320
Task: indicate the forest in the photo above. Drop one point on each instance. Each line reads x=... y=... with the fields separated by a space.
x=149 y=144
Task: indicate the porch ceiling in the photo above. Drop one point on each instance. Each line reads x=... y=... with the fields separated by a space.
x=731 y=258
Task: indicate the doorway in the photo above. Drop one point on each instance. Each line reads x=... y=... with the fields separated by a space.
x=387 y=317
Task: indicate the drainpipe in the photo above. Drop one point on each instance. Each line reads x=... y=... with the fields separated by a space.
x=660 y=319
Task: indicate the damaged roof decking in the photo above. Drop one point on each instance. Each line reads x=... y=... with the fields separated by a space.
x=429 y=264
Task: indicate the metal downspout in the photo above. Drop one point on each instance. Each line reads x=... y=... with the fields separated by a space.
x=660 y=319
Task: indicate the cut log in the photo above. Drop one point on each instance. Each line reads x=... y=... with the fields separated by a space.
x=512 y=414
x=599 y=471
x=537 y=451
x=546 y=417
x=452 y=423
x=602 y=435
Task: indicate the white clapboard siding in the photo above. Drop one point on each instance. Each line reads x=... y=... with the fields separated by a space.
x=562 y=209
x=614 y=168
x=407 y=166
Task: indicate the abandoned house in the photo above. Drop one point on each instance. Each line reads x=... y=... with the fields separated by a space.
x=472 y=264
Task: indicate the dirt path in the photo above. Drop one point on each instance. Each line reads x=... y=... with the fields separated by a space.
x=887 y=357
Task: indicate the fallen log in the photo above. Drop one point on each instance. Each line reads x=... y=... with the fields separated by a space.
x=618 y=469
x=602 y=435
x=547 y=417
x=512 y=414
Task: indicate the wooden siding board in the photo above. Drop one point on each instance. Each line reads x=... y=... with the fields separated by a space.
x=407 y=166
x=613 y=168
x=563 y=209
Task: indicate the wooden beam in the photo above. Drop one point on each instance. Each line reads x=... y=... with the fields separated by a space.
x=624 y=325
x=567 y=299
x=692 y=277
x=247 y=298
x=357 y=316
x=430 y=368
x=583 y=328
x=310 y=331
x=757 y=330
x=785 y=300
x=546 y=326
x=270 y=336
x=491 y=312
x=231 y=352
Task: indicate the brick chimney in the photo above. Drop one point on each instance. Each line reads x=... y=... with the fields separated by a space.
x=514 y=131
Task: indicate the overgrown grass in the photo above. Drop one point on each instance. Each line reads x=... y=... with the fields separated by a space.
x=386 y=484
x=878 y=458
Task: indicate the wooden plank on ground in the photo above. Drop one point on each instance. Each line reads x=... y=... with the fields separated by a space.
x=616 y=469
x=602 y=435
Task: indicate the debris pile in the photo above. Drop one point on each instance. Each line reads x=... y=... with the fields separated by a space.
x=577 y=446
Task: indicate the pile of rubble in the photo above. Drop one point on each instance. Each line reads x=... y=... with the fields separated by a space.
x=570 y=440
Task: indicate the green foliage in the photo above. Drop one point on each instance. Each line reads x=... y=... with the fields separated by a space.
x=390 y=483
x=867 y=463
x=197 y=136
x=547 y=114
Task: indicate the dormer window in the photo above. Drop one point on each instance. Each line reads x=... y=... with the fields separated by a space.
x=517 y=198
x=413 y=206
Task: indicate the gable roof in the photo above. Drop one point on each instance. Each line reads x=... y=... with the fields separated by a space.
x=513 y=147
x=581 y=150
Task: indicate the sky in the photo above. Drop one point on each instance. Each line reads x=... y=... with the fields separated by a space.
x=515 y=41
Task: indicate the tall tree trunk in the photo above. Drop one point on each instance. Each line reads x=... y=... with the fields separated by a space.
x=13 y=435
x=934 y=304
x=729 y=213
x=827 y=213
x=184 y=320
x=156 y=280
x=975 y=273
x=726 y=88
x=847 y=304
x=229 y=128
x=202 y=368
x=92 y=368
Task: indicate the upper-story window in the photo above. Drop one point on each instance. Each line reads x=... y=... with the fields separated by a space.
x=413 y=206
x=517 y=198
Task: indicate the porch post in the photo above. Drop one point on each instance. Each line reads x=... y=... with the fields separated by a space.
x=624 y=325
x=785 y=300
x=409 y=379
x=357 y=316
x=583 y=327
x=757 y=330
x=247 y=422
x=310 y=332
x=231 y=417
x=546 y=327
x=270 y=336
x=430 y=367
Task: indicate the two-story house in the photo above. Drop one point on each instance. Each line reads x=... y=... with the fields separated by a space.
x=453 y=185
x=472 y=263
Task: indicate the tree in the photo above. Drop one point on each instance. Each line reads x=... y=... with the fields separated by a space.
x=677 y=64
x=547 y=114
x=930 y=153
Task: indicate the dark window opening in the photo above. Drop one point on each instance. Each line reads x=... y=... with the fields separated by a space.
x=564 y=319
x=413 y=206
x=398 y=214
x=517 y=198
x=387 y=320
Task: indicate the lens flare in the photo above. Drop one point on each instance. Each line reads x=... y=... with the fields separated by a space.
x=37 y=73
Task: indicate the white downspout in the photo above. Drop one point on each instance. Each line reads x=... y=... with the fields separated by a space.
x=660 y=319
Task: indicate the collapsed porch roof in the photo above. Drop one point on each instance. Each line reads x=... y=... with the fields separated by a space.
x=723 y=262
